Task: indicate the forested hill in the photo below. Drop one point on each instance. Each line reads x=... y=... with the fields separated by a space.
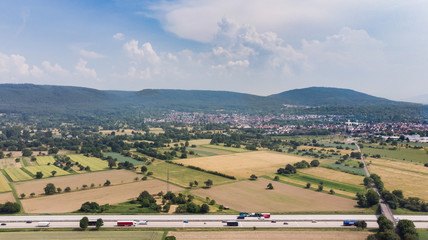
x=322 y=96
x=45 y=99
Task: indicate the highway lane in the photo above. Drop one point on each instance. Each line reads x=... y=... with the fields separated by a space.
x=204 y=221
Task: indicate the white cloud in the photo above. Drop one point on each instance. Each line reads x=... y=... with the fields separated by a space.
x=55 y=69
x=84 y=71
x=15 y=67
x=90 y=54
x=119 y=36
x=146 y=51
x=238 y=63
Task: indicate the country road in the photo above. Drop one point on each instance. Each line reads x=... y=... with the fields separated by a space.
x=385 y=209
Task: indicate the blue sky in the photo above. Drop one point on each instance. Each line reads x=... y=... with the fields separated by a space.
x=260 y=47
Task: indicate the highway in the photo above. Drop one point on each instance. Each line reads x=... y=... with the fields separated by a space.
x=203 y=221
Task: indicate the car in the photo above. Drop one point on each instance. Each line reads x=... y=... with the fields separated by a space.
x=285 y=223
x=185 y=221
x=314 y=221
x=273 y=221
x=240 y=217
x=29 y=221
x=3 y=224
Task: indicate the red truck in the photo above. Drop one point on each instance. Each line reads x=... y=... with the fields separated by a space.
x=126 y=223
x=266 y=215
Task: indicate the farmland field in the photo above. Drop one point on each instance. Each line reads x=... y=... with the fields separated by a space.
x=78 y=235
x=225 y=149
x=44 y=160
x=252 y=196
x=46 y=170
x=4 y=185
x=400 y=165
x=411 y=155
x=156 y=130
x=121 y=158
x=68 y=202
x=411 y=183
x=271 y=235
x=183 y=175
x=9 y=163
x=76 y=181
x=242 y=165
x=16 y=174
x=333 y=175
x=6 y=197
x=95 y=164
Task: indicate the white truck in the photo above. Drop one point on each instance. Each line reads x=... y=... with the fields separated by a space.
x=43 y=224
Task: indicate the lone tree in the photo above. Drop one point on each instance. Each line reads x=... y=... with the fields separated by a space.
x=320 y=187
x=315 y=163
x=270 y=186
x=253 y=177
x=84 y=222
x=143 y=169
x=111 y=163
x=22 y=195
x=50 y=189
x=308 y=185
x=107 y=183
x=361 y=224
x=208 y=183
x=99 y=223
x=39 y=175
x=53 y=173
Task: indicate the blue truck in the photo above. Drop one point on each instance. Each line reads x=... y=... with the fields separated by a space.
x=349 y=223
x=232 y=223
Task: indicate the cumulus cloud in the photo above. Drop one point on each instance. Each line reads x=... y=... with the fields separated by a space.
x=15 y=66
x=55 y=69
x=146 y=51
x=119 y=36
x=90 y=54
x=84 y=71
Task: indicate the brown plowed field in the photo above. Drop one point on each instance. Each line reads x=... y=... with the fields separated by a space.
x=68 y=202
x=73 y=181
x=6 y=197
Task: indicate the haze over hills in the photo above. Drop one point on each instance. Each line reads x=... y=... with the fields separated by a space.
x=29 y=98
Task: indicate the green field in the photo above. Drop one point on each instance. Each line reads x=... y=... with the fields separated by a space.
x=423 y=234
x=202 y=153
x=4 y=185
x=343 y=168
x=44 y=160
x=74 y=235
x=183 y=175
x=407 y=154
x=16 y=174
x=326 y=183
x=223 y=148
x=95 y=164
x=46 y=170
x=121 y=158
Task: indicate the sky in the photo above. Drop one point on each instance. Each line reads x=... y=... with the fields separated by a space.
x=259 y=47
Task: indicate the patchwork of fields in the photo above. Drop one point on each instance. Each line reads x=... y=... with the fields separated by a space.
x=6 y=197
x=46 y=170
x=121 y=158
x=4 y=185
x=45 y=160
x=16 y=174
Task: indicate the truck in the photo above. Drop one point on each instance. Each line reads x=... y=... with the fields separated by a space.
x=232 y=223
x=126 y=223
x=92 y=223
x=266 y=215
x=43 y=224
x=349 y=223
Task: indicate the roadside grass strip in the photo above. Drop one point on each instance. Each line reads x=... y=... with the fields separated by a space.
x=46 y=170
x=16 y=174
x=45 y=160
x=326 y=183
x=95 y=164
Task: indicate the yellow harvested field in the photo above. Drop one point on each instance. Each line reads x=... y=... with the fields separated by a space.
x=95 y=164
x=44 y=160
x=409 y=166
x=411 y=183
x=9 y=163
x=198 y=142
x=156 y=130
x=253 y=196
x=16 y=174
x=271 y=235
x=76 y=181
x=333 y=175
x=4 y=184
x=68 y=202
x=6 y=197
x=242 y=165
x=46 y=170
